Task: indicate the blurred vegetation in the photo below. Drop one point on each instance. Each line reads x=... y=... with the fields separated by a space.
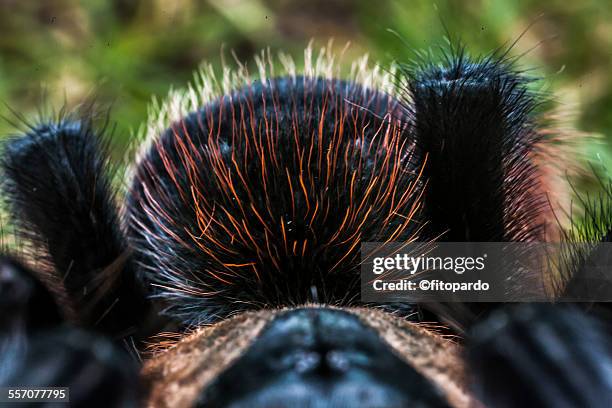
x=126 y=51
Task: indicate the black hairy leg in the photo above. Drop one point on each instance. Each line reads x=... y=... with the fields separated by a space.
x=25 y=302
x=96 y=372
x=58 y=191
x=474 y=119
x=540 y=355
x=38 y=350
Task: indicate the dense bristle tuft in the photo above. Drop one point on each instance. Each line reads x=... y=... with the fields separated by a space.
x=261 y=197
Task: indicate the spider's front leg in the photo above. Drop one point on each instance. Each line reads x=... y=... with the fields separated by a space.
x=58 y=191
x=38 y=350
x=541 y=355
x=476 y=120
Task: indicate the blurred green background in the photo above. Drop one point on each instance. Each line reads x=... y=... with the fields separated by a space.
x=126 y=51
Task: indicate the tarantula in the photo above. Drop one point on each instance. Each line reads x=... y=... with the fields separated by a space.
x=227 y=273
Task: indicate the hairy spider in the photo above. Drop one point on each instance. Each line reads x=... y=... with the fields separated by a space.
x=227 y=274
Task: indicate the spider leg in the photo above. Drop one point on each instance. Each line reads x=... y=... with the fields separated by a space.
x=37 y=350
x=473 y=118
x=541 y=355
x=25 y=302
x=58 y=190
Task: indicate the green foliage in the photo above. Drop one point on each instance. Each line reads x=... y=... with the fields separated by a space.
x=124 y=52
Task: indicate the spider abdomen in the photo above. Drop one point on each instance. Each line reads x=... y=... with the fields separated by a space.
x=271 y=188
